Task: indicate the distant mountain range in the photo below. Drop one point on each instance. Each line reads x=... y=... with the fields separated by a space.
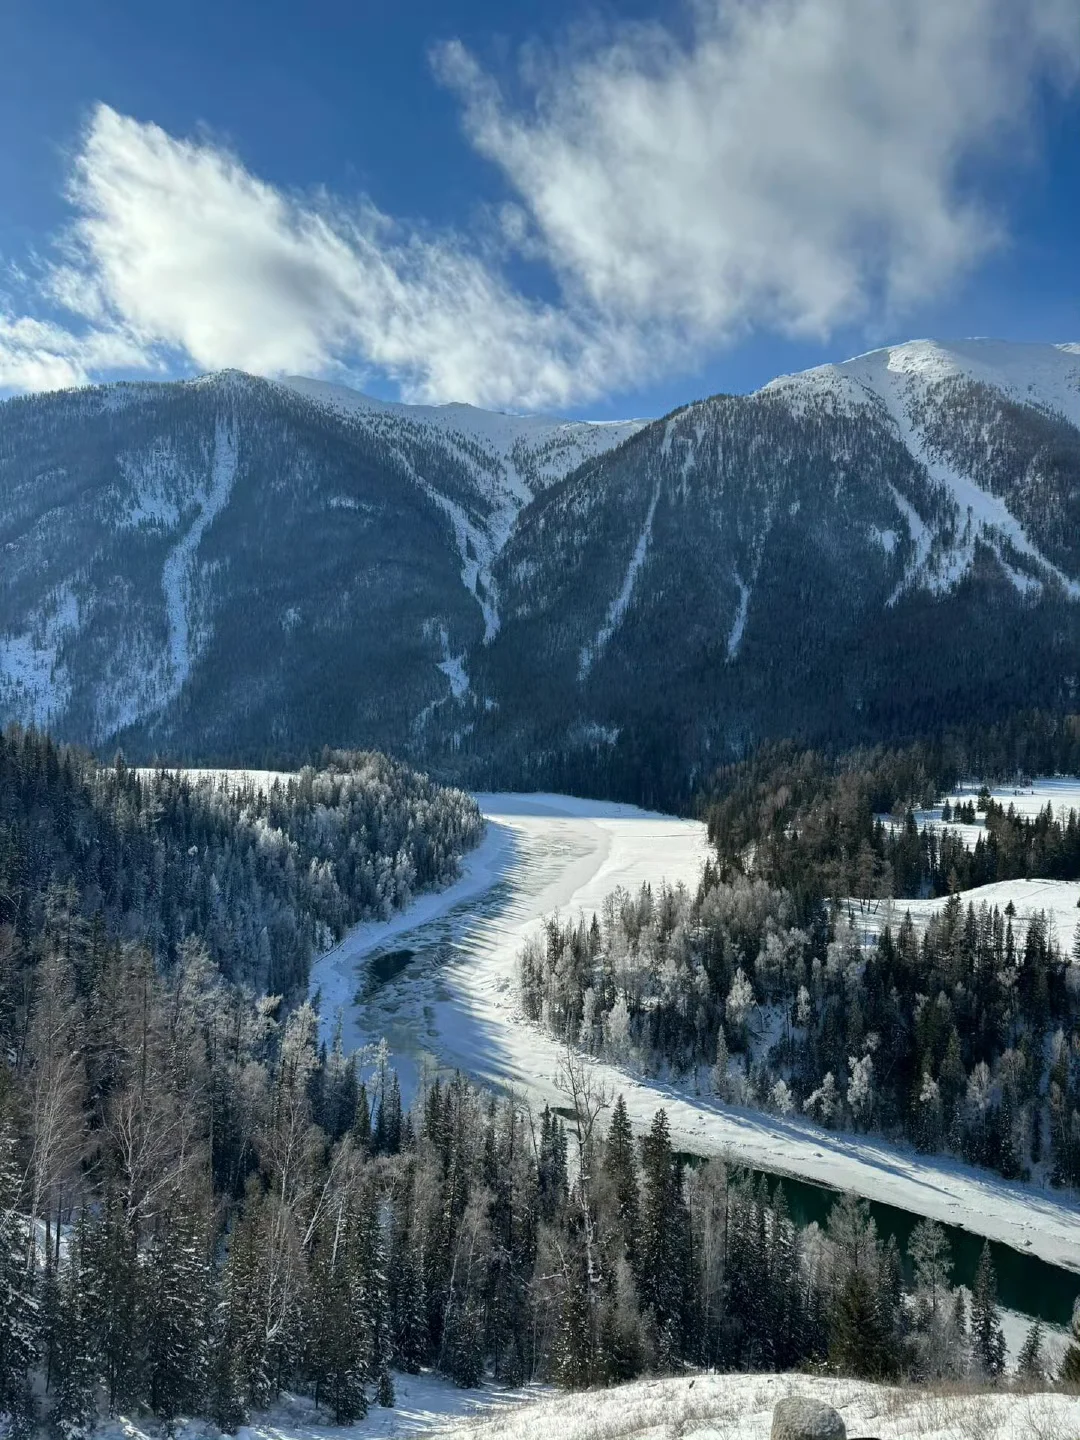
x=235 y=568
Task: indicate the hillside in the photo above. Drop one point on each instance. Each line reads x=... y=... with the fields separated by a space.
x=234 y=568
x=860 y=551
x=708 y=1407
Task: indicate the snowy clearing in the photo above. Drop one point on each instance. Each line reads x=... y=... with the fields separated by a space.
x=1059 y=899
x=454 y=998
x=739 y=1407
x=1061 y=792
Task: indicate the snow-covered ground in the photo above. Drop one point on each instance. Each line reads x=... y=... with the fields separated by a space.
x=740 y=1407
x=1061 y=792
x=455 y=1000
x=1058 y=899
x=702 y=1407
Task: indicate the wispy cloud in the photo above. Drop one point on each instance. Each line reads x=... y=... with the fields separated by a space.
x=795 y=165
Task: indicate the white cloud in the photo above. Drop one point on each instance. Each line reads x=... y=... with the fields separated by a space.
x=796 y=164
x=41 y=355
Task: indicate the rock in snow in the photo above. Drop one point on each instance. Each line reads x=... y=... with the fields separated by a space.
x=799 y=1418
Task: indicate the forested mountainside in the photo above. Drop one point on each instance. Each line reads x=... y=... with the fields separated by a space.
x=232 y=568
x=260 y=879
x=871 y=550
x=795 y=979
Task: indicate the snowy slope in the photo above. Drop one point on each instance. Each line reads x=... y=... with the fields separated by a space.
x=511 y=459
x=911 y=383
x=695 y=1407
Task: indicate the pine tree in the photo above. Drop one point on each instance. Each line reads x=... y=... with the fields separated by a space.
x=620 y=1172
x=1030 y=1364
x=719 y=1079
x=112 y=1283
x=338 y=1317
x=407 y=1299
x=76 y=1364
x=224 y=1383
x=18 y=1310
x=176 y=1311
x=987 y=1337
x=575 y=1360
x=361 y=1129
x=663 y=1252
x=860 y=1333
x=932 y=1258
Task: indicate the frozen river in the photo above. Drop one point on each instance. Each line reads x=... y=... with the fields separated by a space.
x=438 y=981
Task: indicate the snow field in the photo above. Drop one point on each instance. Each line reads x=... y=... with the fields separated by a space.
x=702 y=1407
x=1059 y=899
x=739 y=1407
x=1062 y=792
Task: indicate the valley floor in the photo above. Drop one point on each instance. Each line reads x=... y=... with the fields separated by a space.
x=455 y=1000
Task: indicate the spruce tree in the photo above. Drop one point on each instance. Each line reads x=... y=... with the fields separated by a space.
x=987 y=1337
x=861 y=1341
x=76 y=1363
x=1030 y=1364
x=663 y=1254
x=574 y=1357
x=620 y=1171
x=176 y=1311
x=18 y=1309
x=932 y=1258
x=111 y=1267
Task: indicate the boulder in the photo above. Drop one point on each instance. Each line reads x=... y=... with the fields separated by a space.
x=799 y=1418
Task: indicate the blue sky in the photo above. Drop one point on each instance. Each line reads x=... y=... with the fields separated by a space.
x=601 y=211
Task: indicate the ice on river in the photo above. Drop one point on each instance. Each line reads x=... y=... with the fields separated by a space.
x=455 y=1000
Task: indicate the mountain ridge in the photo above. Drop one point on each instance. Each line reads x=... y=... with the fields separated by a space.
x=236 y=566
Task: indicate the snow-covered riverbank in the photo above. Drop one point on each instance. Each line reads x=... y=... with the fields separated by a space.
x=455 y=1000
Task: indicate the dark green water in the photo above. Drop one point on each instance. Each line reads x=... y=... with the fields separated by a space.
x=1025 y=1282
x=383 y=967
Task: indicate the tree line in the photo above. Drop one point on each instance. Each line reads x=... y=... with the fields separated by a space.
x=265 y=877
x=835 y=825
x=964 y=1037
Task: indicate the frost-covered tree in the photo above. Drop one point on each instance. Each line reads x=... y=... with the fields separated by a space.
x=18 y=1308
x=1031 y=1362
x=987 y=1336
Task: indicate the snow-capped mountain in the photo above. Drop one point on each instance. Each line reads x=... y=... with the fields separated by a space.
x=233 y=567
x=511 y=459
x=208 y=562
x=861 y=550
